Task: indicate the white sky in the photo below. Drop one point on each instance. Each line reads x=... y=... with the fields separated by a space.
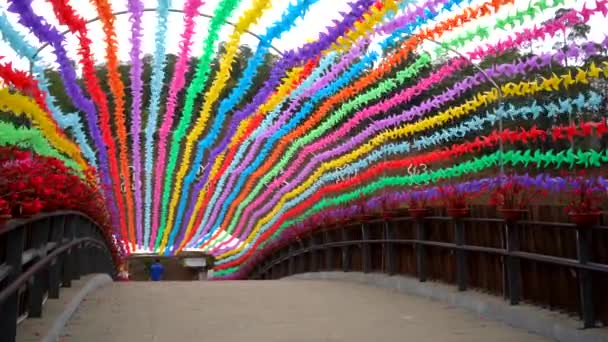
x=320 y=15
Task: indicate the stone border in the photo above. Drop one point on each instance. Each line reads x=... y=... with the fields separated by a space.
x=97 y=281
x=546 y=323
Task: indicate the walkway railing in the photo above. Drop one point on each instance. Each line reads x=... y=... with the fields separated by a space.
x=40 y=255
x=554 y=265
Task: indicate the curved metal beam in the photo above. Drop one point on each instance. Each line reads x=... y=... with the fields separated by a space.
x=173 y=10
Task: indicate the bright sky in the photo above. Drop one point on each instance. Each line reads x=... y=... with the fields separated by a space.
x=320 y=15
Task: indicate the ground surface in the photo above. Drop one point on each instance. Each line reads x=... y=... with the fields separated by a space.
x=286 y=310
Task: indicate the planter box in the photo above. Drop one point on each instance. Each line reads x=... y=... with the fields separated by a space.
x=419 y=213
x=512 y=215
x=585 y=219
x=459 y=212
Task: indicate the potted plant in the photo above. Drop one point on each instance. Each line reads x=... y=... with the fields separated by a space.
x=417 y=205
x=584 y=198
x=362 y=210
x=5 y=211
x=455 y=200
x=513 y=198
x=389 y=207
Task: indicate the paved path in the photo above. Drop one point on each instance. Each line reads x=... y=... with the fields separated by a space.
x=285 y=310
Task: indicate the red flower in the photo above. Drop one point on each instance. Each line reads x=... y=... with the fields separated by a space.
x=22 y=155
x=453 y=198
x=511 y=194
x=32 y=207
x=584 y=195
x=4 y=207
x=30 y=184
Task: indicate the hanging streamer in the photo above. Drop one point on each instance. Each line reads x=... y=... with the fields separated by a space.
x=274 y=31
x=117 y=89
x=291 y=58
x=136 y=8
x=223 y=10
x=278 y=166
x=250 y=17
x=246 y=163
x=245 y=133
x=566 y=80
x=68 y=16
x=385 y=124
x=307 y=125
x=46 y=33
x=65 y=121
x=542 y=159
x=156 y=85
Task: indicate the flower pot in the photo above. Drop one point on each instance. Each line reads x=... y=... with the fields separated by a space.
x=391 y=213
x=512 y=215
x=459 y=212
x=364 y=217
x=585 y=219
x=4 y=218
x=419 y=213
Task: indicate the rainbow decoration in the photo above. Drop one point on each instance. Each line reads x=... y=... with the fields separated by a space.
x=230 y=153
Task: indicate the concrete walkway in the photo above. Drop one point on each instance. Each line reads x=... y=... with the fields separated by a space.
x=286 y=310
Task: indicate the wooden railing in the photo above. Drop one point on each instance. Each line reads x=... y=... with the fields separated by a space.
x=551 y=264
x=40 y=255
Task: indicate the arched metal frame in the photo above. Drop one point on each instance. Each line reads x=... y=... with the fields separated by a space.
x=172 y=10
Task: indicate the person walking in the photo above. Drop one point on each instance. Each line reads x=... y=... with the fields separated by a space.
x=156 y=270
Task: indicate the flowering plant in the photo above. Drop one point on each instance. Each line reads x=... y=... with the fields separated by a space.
x=31 y=184
x=512 y=194
x=361 y=204
x=388 y=203
x=584 y=195
x=453 y=197
x=420 y=201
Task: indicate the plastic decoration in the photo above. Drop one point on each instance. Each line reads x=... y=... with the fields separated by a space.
x=390 y=103
x=158 y=75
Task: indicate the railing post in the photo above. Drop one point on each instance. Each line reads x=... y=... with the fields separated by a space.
x=291 y=266
x=69 y=263
x=40 y=236
x=57 y=231
x=583 y=240
x=365 y=249
x=329 y=252
x=420 y=249
x=314 y=267
x=461 y=259
x=9 y=308
x=285 y=256
x=80 y=230
x=389 y=247
x=513 y=264
x=346 y=251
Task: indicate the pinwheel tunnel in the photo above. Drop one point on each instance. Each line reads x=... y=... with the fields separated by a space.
x=454 y=141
